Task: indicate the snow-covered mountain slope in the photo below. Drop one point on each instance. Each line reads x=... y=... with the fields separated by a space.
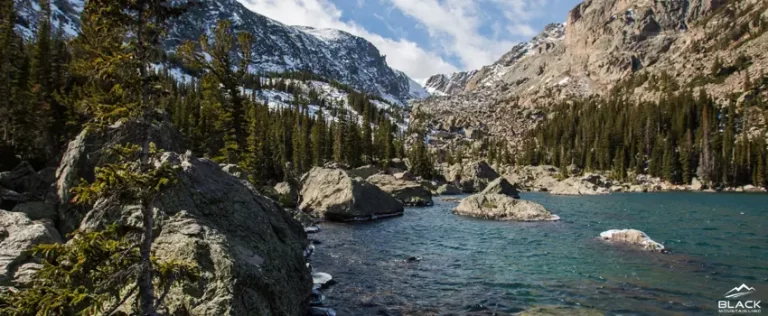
x=444 y=85
x=277 y=47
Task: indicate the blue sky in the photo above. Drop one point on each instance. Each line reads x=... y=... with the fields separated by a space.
x=426 y=37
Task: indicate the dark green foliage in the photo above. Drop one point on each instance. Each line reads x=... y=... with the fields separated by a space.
x=676 y=138
x=92 y=274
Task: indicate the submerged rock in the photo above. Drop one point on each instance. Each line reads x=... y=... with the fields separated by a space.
x=561 y=311
x=503 y=207
x=632 y=237
x=334 y=195
x=502 y=186
x=317 y=298
x=322 y=311
x=407 y=192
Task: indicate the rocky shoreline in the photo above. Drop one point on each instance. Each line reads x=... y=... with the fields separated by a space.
x=216 y=208
x=550 y=179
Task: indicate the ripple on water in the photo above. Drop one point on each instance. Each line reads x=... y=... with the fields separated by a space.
x=479 y=267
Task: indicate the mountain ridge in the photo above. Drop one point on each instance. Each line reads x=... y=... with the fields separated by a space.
x=277 y=47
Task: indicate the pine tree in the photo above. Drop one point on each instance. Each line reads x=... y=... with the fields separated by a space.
x=367 y=136
x=318 y=140
x=225 y=50
x=120 y=88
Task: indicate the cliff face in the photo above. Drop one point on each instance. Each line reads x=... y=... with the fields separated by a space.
x=604 y=43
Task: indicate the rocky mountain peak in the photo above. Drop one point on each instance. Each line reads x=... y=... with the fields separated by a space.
x=277 y=47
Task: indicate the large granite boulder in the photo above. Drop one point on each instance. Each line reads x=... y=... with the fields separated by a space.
x=504 y=208
x=90 y=149
x=448 y=189
x=472 y=177
x=407 y=192
x=502 y=186
x=18 y=234
x=335 y=195
x=632 y=238
x=249 y=250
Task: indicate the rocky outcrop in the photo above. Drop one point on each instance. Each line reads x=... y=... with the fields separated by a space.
x=248 y=249
x=603 y=43
x=504 y=208
x=91 y=149
x=632 y=238
x=23 y=178
x=18 y=234
x=407 y=192
x=448 y=189
x=364 y=171
x=590 y=184
x=502 y=186
x=472 y=177
x=334 y=195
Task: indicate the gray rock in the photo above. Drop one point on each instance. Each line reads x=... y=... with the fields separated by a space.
x=248 y=249
x=588 y=185
x=502 y=186
x=448 y=189
x=364 y=171
x=633 y=238
x=23 y=179
x=696 y=185
x=503 y=207
x=18 y=234
x=334 y=195
x=407 y=192
x=285 y=189
x=37 y=210
x=236 y=171
x=472 y=177
x=90 y=149
x=407 y=176
x=322 y=311
x=321 y=280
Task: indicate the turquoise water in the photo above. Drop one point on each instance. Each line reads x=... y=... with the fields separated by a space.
x=479 y=267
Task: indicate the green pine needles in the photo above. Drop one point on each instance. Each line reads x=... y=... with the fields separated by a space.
x=93 y=274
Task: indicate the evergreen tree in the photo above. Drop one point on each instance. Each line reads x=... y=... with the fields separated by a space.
x=225 y=51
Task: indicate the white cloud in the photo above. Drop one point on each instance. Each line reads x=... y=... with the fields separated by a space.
x=456 y=25
x=402 y=54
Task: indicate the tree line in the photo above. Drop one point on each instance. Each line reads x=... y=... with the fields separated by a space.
x=677 y=138
x=219 y=111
